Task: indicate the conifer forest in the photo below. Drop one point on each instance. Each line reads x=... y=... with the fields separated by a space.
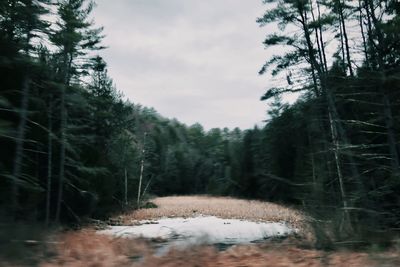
x=74 y=148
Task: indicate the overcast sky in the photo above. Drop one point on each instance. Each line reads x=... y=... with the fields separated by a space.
x=194 y=60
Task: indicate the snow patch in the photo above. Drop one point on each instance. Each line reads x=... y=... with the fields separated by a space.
x=203 y=229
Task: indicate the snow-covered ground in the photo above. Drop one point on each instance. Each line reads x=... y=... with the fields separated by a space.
x=202 y=229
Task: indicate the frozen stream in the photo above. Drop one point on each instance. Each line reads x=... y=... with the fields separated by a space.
x=199 y=230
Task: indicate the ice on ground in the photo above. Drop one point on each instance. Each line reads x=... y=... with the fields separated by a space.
x=203 y=229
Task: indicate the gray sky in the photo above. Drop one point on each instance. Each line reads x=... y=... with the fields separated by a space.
x=194 y=60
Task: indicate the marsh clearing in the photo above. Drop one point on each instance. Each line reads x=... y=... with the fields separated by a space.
x=221 y=207
x=180 y=222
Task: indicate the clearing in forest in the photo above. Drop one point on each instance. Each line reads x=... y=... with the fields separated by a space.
x=222 y=207
x=187 y=220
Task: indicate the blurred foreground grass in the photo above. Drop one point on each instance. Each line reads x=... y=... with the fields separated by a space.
x=85 y=248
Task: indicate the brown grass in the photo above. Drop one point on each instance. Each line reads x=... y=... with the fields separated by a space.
x=223 y=207
x=259 y=257
x=87 y=249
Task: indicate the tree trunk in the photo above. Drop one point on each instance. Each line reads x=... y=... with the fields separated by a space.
x=390 y=134
x=140 y=182
x=49 y=161
x=321 y=39
x=363 y=34
x=317 y=36
x=346 y=40
x=63 y=128
x=19 y=149
x=342 y=46
x=346 y=223
x=372 y=45
x=63 y=118
x=141 y=170
x=313 y=62
x=126 y=187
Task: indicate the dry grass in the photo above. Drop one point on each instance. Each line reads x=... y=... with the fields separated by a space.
x=223 y=207
x=86 y=249
x=256 y=256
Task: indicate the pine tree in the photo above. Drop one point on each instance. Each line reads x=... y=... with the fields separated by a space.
x=75 y=37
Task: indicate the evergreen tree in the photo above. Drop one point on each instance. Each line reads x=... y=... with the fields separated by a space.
x=74 y=37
